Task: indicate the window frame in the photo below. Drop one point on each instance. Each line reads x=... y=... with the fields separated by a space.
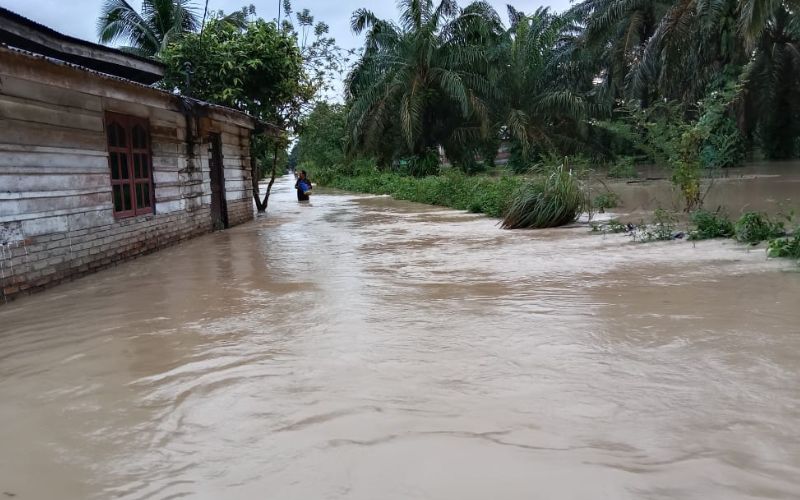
x=131 y=182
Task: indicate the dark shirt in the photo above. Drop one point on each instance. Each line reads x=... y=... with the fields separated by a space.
x=301 y=196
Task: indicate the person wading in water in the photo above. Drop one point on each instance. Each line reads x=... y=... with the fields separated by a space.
x=303 y=186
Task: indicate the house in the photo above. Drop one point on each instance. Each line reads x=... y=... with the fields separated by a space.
x=97 y=166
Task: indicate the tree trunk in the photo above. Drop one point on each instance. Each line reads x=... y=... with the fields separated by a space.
x=271 y=179
x=261 y=207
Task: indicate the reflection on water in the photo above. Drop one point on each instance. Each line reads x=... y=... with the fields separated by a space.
x=362 y=348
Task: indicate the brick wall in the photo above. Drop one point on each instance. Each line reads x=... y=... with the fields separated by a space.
x=42 y=261
x=240 y=211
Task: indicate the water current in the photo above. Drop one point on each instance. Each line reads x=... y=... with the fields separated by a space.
x=363 y=348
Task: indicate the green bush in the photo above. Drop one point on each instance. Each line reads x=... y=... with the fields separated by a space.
x=556 y=201
x=422 y=165
x=710 y=225
x=606 y=200
x=785 y=247
x=755 y=227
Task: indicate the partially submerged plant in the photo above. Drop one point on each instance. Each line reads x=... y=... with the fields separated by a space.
x=610 y=226
x=785 y=247
x=662 y=228
x=755 y=227
x=710 y=225
x=556 y=201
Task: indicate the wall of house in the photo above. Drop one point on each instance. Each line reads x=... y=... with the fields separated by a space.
x=56 y=212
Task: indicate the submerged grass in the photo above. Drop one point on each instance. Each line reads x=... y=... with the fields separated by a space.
x=555 y=201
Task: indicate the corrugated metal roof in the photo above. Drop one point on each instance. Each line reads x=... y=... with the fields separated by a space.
x=197 y=102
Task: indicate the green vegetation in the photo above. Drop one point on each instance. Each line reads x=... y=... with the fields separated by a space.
x=251 y=70
x=661 y=229
x=785 y=247
x=755 y=227
x=606 y=200
x=557 y=200
x=478 y=194
x=710 y=225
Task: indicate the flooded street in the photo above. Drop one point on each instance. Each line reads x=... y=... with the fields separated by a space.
x=364 y=348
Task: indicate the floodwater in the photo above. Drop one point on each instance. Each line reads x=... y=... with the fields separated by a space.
x=363 y=348
x=772 y=187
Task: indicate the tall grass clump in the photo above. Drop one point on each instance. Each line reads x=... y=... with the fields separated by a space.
x=555 y=201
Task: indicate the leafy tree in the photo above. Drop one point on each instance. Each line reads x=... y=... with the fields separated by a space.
x=321 y=140
x=324 y=61
x=258 y=70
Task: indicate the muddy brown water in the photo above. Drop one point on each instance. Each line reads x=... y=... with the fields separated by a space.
x=772 y=187
x=364 y=348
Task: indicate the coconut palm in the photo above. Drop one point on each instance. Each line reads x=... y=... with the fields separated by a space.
x=147 y=32
x=421 y=83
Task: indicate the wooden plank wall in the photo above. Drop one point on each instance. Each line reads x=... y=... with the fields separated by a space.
x=54 y=175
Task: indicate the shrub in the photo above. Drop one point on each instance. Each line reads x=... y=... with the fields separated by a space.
x=606 y=200
x=422 y=165
x=710 y=225
x=785 y=247
x=755 y=227
x=556 y=201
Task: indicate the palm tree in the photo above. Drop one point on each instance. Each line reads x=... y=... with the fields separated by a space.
x=422 y=83
x=693 y=43
x=755 y=15
x=538 y=108
x=772 y=85
x=618 y=31
x=146 y=33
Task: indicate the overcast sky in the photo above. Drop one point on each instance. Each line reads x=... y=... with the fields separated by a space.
x=78 y=17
